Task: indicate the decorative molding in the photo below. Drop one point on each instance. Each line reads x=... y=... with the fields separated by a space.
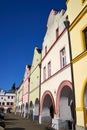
x=77 y=19
x=80 y=109
x=79 y=57
x=82 y=37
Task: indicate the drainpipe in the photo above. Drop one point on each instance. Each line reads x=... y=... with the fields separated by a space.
x=39 y=87
x=67 y=24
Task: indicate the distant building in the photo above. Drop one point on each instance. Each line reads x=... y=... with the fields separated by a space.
x=7 y=101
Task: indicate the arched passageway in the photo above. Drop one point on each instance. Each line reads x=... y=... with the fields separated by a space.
x=85 y=104
x=36 y=109
x=66 y=108
x=9 y=110
x=85 y=97
x=22 y=109
x=26 y=107
x=1 y=109
x=31 y=110
x=47 y=108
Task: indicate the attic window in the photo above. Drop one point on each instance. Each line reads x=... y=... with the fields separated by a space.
x=45 y=50
x=57 y=33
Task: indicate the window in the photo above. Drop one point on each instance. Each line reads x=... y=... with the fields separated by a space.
x=7 y=103
x=49 y=69
x=3 y=103
x=44 y=73
x=57 y=33
x=8 y=97
x=11 y=97
x=0 y=103
x=11 y=103
x=37 y=81
x=85 y=37
x=63 y=57
x=45 y=50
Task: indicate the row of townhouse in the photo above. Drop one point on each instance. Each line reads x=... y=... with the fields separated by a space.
x=27 y=94
x=54 y=87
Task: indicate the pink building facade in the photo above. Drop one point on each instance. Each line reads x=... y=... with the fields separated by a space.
x=26 y=91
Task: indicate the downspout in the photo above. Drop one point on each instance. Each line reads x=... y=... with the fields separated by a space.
x=67 y=25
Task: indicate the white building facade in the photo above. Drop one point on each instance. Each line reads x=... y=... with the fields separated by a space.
x=56 y=79
x=7 y=101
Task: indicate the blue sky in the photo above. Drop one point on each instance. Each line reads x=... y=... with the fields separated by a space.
x=22 y=27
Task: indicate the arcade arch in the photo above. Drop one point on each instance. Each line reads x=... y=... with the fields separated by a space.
x=47 y=107
x=65 y=101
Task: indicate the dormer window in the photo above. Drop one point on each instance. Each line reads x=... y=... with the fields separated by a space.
x=44 y=73
x=49 y=69
x=45 y=50
x=57 y=33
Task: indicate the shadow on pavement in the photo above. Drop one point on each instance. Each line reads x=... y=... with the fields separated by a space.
x=7 y=119
x=15 y=128
x=10 y=123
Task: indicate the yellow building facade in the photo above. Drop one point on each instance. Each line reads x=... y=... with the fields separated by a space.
x=77 y=14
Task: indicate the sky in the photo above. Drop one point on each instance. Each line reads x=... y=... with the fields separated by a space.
x=22 y=28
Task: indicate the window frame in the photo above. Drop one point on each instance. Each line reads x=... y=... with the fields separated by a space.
x=57 y=32
x=84 y=44
x=63 y=58
x=45 y=50
x=85 y=37
x=44 y=73
x=49 y=69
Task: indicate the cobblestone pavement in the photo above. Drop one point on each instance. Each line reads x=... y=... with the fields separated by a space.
x=14 y=122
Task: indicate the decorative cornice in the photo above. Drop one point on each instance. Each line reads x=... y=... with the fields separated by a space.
x=80 y=109
x=77 y=19
x=79 y=57
x=36 y=88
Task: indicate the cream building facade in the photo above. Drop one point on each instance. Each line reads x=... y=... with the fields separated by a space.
x=35 y=85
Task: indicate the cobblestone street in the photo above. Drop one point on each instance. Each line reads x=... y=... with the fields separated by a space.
x=14 y=122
